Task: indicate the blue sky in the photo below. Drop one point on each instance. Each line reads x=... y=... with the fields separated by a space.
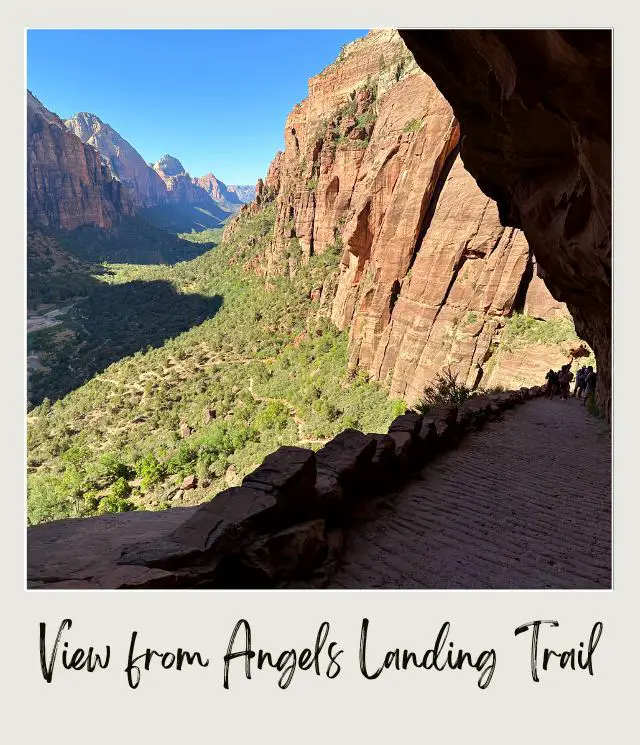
x=217 y=100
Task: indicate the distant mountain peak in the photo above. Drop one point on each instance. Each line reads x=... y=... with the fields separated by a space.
x=122 y=158
x=169 y=165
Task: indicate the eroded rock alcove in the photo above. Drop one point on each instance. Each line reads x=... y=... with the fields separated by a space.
x=534 y=109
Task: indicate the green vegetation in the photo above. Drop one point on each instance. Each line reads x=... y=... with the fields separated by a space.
x=133 y=240
x=521 y=330
x=258 y=367
x=53 y=274
x=211 y=236
x=364 y=120
x=445 y=389
x=413 y=125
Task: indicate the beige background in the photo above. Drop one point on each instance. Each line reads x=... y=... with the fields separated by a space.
x=171 y=707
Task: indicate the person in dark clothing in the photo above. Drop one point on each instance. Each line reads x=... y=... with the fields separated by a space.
x=581 y=378
x=590 y=384
x=564 y=379
x=552 y=383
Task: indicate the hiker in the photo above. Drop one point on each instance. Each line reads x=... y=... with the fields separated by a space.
x=564 y=379
x=552 y=381
x=581 y=379
x=590 y=384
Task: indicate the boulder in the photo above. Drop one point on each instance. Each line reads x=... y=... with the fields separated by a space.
x=231 y=476
x=230 y=521
x=410 y=422
x=347 y=459
x=298 y=549
x=189 y=482
x=289 y=474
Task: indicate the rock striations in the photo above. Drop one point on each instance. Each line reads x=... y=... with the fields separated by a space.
x=535 y=109
x=68 y=185
x=83 y=172
x=371 y=169
x=123 y=160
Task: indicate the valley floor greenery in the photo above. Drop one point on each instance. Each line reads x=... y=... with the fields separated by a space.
x=263 y=370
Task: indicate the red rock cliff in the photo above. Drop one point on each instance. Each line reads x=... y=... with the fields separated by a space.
x=123 y=160
x=535 y=112
x=371 y=168
x=67 y=183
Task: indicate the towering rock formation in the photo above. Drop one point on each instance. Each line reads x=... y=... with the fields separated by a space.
x=67 y=183
x=535 y=112
x=371 y=169
x=123 y=160
x=221 y=194
x=181 y=188
x=85 y=184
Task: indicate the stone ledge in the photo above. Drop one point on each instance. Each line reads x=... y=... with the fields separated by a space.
x=284 y=524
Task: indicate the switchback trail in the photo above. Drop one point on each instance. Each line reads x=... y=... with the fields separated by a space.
x=523 y=503
x=302 y=440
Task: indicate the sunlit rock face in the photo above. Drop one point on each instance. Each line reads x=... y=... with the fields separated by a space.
x=123 y=160
x=427 y=272
x=68 y=185
x=535 y=112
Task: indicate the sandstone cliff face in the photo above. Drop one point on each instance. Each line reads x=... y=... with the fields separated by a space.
x=427 y=273
x=67 y=183
x=535 y=111
x=123 y=160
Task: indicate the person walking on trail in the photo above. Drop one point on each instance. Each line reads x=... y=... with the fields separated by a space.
x=590 y=384
x=564 y=379
x=581 y=378
x=552 y=381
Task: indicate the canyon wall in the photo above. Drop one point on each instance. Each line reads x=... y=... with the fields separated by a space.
x=535 y=110
x=181 y=188
x=68 y=185
x=427 y=273
x=230 y=198
x=123 y=160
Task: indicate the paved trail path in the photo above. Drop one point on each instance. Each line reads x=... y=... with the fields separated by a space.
x=524 y=503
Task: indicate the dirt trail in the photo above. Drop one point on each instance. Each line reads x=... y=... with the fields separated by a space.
x=40 y=321
x=299 y=422
x=524 y=503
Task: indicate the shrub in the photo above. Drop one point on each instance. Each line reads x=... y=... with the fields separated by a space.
x=110 y=504
x=275 y=415
x=445 y=389
x=46 y=500
x=120 y=489
x=150 y=470
x=112 y=467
